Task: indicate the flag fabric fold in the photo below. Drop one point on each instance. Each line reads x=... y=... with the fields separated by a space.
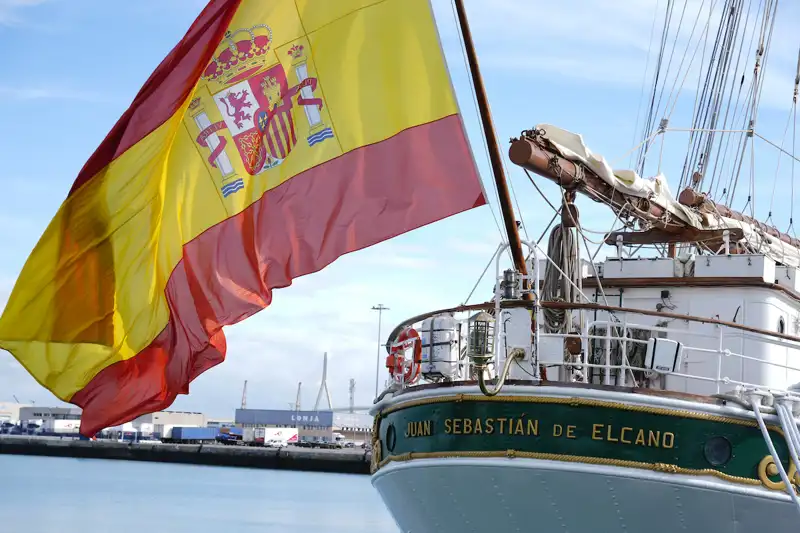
x=275 y=137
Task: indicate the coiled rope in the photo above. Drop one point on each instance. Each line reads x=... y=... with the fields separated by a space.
x=562 y=250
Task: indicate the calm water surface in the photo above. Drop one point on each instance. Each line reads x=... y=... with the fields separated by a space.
x=47 y=495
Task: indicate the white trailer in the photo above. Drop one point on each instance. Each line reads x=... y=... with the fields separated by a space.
x=253 y=436
x=61 y=426
x=280 y=437
x=270 y=437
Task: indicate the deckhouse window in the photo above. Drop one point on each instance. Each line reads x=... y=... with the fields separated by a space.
x=781 y=325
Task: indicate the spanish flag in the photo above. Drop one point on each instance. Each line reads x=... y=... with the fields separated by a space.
x=275 y=137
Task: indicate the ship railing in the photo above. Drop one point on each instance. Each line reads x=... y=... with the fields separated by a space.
x=617 y=331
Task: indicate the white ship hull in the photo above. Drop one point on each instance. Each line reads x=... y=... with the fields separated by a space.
x=463 y=491
x=513 y=495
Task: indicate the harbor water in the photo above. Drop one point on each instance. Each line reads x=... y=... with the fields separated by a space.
x=45 y=495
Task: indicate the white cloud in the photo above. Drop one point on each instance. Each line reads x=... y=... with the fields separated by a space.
x=480 y=247
x=606 y=41
x=541 y=23
x=10 y=10
x=394 y=255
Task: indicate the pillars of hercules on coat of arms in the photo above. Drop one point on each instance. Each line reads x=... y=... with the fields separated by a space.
x=318 y=130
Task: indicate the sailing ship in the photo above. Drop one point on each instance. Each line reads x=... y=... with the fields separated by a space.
x=586 y=395
x=635 y=393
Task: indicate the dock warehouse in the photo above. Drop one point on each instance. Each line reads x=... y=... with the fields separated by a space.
x=39 y=414
x=311 y=426
x=9 y=412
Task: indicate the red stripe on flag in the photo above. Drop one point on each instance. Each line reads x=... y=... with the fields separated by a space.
x=167 y=88
x=279 y=140
x=284 y=128
x=273 y=147
x=293 y=140
x=228 y=273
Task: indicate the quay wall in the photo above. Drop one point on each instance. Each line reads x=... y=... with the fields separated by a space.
x=344 y=461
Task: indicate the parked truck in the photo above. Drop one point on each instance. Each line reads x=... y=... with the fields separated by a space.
x=280 y=437
x=270 y=437
x=254 y=436
x=60 y=427
x=192 y=435
x=230 y=435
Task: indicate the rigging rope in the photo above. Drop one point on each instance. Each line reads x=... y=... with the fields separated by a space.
x=720 y=82
x=794 y=140
x=562 y=250
x=789 y=428
x=778 y=169
x=736 y=79
x=775 y=457
x=480 y=123
x=691 y=62
x=763 y=52
x=644 y=83
x=722 y=103
x=650 y=121
x=486 y=148
x=740 y=116
x=671 y=55
x=709 y=100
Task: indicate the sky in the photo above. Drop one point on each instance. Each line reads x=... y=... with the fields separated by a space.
x=72 y=67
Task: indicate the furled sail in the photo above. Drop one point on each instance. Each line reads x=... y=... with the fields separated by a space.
x=688 y=217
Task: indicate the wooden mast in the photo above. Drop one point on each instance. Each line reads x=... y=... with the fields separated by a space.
x=494 y=150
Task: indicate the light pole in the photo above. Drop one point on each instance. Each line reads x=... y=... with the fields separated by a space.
x=380 y=309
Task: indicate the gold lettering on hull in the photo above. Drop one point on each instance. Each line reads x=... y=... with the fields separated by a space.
x=422 y=428
x=648 y=438
x=638 y=437
x=491 y=426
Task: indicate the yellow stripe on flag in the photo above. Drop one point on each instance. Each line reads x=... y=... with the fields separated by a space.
x=379 y=71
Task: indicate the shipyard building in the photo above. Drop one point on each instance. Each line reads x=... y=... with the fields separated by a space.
x=49 y=420
x=39 y=414
x=162 y=422
x=220 y=423
x=153 y=423
x=312 y=426
x=9 y=412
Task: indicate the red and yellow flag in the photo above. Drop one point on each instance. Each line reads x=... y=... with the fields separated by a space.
x=275 y=137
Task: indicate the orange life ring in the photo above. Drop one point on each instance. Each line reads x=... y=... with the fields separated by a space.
x=396 y=360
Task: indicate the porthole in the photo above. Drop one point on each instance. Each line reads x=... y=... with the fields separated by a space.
x=718 y=451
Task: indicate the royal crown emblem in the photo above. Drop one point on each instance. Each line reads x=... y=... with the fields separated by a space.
x=296 y=51
x=240 y=54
